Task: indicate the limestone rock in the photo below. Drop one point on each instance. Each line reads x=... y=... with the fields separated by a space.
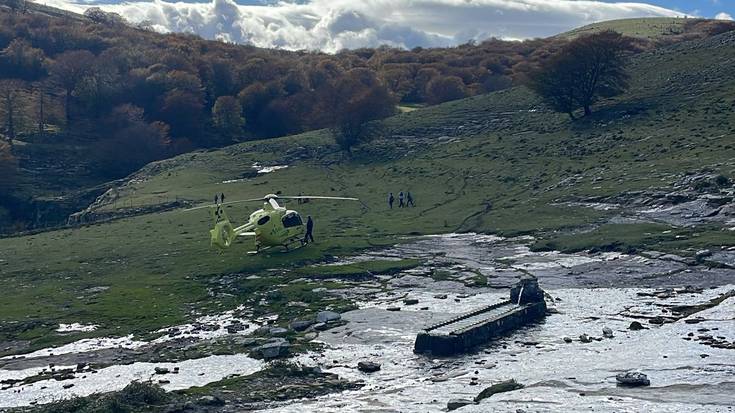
x=632 y=378
x=327 y=316
x=635 y=326
x=368 y=366
x=300 y=325
x=278 y=331
x=455 y=404
x=272 y=349
x=501 y=387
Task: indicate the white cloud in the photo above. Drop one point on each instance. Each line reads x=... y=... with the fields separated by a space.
x=723 y=16
x=330 y=25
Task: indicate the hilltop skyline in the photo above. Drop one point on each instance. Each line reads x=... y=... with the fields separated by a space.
x=332 y=25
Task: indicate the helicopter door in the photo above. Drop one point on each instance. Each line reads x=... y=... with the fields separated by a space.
x=291 y=219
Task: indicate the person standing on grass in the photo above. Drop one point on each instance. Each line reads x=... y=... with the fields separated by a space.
x=390 y=200
x=309 y=237
x=400 y=200
x=409 y=199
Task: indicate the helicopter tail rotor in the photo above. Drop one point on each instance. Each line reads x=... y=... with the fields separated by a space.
x=222 y=234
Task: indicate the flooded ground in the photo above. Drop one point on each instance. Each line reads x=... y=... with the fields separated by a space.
x=687 y=352
x=685 y=374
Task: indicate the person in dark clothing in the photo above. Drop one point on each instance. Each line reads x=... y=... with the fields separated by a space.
x=222 y=198
x=400 y=200
x=390 y=200
x=216 y=198
x=409 y=199
x=309 y=237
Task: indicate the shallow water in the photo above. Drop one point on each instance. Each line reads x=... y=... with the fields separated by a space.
x=196 y=372
x=554 y=372
x=558 y=376
x=590 y=291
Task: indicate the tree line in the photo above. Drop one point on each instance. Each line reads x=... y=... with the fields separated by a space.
x=139 y=96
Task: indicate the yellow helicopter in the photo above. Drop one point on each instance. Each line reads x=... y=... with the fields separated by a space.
x=272 y=225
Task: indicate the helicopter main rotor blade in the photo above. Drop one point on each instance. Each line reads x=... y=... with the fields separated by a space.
x=225 y=203
x=318 y=197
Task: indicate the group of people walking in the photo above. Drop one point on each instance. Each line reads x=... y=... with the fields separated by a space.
x=403 y=200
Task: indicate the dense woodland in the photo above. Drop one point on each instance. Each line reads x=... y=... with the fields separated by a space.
x=134 y=96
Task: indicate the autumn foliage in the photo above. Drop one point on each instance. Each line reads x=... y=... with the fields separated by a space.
x=81 y=72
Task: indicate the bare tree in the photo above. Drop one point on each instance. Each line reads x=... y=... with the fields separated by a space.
x=41 y=109
x=585 y=70
x=69 y=69
x=10 y=93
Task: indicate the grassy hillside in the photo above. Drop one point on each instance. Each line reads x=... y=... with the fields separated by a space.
x=652 y=28
x=495 y=163
x=649 y=28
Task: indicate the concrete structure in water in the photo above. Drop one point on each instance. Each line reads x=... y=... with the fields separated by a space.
x=462 y=333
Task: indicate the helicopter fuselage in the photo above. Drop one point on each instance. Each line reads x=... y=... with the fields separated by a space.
x=276 y=225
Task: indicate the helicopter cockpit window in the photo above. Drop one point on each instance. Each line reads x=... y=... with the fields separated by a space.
x=292 y=220
x=264 y=220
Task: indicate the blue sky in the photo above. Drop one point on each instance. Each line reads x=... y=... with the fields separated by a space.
x=332 y=25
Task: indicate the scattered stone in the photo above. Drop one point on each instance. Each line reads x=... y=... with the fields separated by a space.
x=635 y=326
x=68 y=385
x=702 y=254
x=327 y=316
x=455 y=404
x=278 y=331
x=633 y=379
x=393 y=309
x=64 y=376
x=210 y=401
x=607 y=332
x=411 y=301
x=161 y=370
x=236 y=327
x=310 y=336
x=585 y=338
x=441 y=296
x=321 y=326
x=164 y=381
x=300 y=325
x=658 y=320
x=567 y=340
x=502 y=387
x=368 y=366
x=272 y=350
